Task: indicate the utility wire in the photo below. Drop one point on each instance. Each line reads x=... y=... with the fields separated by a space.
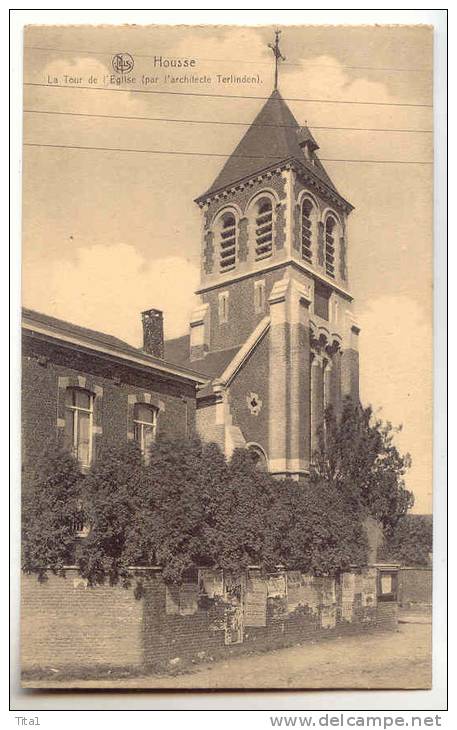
x=233 y=60
x=210 y=121
x=215 y=154
x=223 y=96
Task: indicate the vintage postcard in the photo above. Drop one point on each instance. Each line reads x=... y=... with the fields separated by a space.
x=227 y=357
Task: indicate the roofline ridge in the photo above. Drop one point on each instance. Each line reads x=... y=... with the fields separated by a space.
x=243 y=353
x=285 y=161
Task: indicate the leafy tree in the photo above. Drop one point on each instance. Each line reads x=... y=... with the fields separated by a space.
x=357 y=455
x=188 y=507
x=115 y=505
x=186 y=479
x=51 y=512
x=242 y=515
x=311 y=529
x=410 y=542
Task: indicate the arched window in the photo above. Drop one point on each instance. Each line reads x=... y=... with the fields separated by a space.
x=258 y=457
x=263 y=228
x=330 y=231
x=79 y=406
x=144 y=427
x=227 y=242
x=307 y=210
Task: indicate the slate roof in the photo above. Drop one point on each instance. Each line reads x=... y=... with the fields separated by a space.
x=94 y=337
x=274 y=133
x=211 y=366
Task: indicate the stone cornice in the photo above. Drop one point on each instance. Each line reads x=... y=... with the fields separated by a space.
x=287 y=164
x=300 y=266
x=140 y=361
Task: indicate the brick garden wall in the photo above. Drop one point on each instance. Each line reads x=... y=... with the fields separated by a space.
x=63 y=622
x=67 y=623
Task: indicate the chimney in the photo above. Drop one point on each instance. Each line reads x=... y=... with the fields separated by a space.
x=153 y=332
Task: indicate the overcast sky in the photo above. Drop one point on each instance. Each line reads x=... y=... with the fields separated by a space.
x=108 y=234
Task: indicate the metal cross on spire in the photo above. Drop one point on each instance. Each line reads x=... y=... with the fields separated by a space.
x=277 y=54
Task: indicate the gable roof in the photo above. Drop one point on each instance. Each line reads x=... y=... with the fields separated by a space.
x=73 y=334
x=220 y=366
x=244 y=352
x=274 y=133
x=212 y=365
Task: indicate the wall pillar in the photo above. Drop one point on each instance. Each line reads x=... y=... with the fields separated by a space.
x=317 y=401
x=350 y=366
x=328 y=370
x=289 y=378
x=278 y=384
x=336 y=383
x=299 y=364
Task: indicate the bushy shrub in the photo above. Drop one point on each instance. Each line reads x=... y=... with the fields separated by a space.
x=51 y=512
x=188 y=507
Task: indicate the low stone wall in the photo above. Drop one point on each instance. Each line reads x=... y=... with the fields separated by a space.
x=65 y=623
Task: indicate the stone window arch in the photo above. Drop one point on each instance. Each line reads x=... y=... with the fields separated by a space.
x=79 y=416
x=226 y=235
x=332 y=230
x=263 y=219
x=258 y=456
x=145 y=418
x=308 y=226
x=143 y=411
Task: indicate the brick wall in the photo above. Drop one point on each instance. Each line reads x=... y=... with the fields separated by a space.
x=322 y=206
x=242 y=317
x=415 y=586
x=63 y=622
x=207 y=428
x=66 y=623
x=40 y=396
x=252 y=378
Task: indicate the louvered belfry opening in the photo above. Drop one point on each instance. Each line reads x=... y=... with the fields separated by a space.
x=306 y=230
x=264 y=229
x=330 y=247
x=228 y=242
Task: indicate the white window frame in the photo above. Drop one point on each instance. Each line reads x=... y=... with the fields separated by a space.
x=141 y=424
x=76 y=410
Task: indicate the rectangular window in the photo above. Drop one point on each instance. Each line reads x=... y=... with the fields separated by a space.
x=321 y=300
x=223 y=307
x=78 y=423
x=145 y=427
x=259 y=296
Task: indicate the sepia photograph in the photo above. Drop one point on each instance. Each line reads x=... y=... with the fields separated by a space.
x=227 y=357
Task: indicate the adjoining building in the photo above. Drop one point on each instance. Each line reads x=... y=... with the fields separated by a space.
x=86 y=389
x=274 y=332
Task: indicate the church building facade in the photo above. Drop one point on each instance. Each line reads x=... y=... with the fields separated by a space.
x=274 y=331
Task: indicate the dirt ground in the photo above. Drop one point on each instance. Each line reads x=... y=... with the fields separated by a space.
x=388 y=660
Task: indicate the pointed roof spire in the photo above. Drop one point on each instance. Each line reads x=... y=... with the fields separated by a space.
x=274 y=136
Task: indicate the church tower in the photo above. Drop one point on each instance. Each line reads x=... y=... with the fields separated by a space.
x=274 y=330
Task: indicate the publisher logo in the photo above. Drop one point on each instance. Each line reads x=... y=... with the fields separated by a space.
x=123 y=63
